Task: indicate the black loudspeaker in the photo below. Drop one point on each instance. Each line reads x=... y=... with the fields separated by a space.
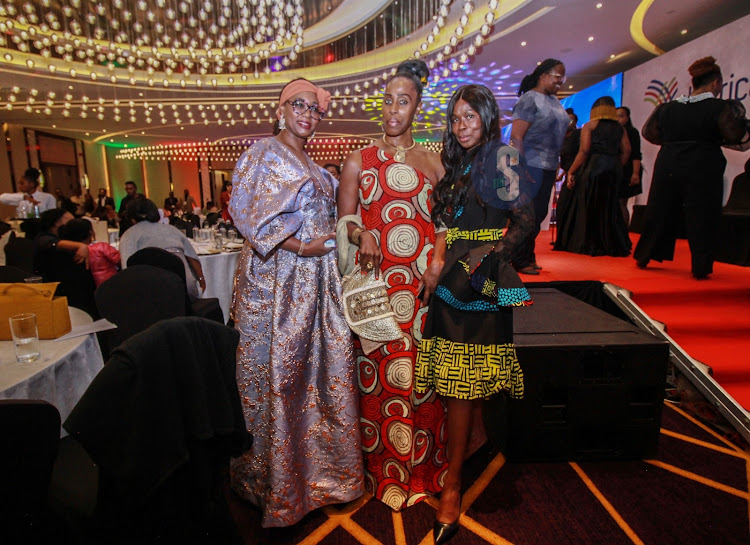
x=594 y=384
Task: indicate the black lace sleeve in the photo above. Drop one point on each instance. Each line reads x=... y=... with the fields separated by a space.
x=732 y=123
x=652 y=128
x=521 y=223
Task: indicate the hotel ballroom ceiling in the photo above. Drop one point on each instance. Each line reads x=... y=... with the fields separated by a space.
x=146 y=72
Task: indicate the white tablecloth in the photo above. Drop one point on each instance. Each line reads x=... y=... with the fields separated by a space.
x=219 y=270
x=62 y=373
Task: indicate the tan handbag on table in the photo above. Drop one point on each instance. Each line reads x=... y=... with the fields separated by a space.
x=52 y=317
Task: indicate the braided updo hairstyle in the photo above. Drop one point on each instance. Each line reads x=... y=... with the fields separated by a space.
x=416 y=71
x=529 y=81
x=704 y=71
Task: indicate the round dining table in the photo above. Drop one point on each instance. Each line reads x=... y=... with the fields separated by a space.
x=219 y=269
x=62 y=373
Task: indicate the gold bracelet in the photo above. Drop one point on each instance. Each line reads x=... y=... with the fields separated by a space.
x=356 y=234
x=301 y=248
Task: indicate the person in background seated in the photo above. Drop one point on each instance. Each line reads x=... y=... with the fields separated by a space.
x=147 y=232
x=79 y=200
x=28 y=190
x=47 y=241
x=64 y=261
x=210 y=208
x=104 y=259
x=111 y=217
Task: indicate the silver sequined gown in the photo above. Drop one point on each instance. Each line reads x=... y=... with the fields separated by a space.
x=295 y=362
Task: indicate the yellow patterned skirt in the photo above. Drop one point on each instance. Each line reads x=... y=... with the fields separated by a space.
x=468 y=354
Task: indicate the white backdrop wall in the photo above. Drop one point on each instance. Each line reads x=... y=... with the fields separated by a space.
x=666 y=77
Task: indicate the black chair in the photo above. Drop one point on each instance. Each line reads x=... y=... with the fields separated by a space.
x=158 y=257
x=10 y=274
x=161 y=421
x=733 y=230
x=30 y=431
x=136 y=298
x=194 y=219
x=212 y=218
x=182 y=224
x=19 y=252
x=739 y=196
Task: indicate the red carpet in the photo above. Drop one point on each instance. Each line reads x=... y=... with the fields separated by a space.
x=710 y=319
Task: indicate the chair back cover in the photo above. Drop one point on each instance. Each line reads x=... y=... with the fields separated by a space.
x=136 y=298
x=19 y=252
x=161 y=421
x=158 y=257
x=31 y=431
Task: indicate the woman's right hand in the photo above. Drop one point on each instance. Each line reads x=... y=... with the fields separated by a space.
x=369 y=252
x=81 y=255
x=316 y=247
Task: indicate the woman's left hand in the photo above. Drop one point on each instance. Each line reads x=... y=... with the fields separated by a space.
x=635 y=179
x=429 y=281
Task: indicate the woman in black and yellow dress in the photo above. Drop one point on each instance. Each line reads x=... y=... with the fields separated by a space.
x=467 y=352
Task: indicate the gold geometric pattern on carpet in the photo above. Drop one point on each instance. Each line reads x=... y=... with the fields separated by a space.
x=341 y=516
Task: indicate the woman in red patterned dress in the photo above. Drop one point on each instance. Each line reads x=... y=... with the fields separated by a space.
x=403 y=432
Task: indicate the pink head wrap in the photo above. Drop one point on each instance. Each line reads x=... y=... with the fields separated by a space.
x=298 y=86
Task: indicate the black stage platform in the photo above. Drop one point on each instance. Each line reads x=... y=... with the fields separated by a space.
x=594 y=384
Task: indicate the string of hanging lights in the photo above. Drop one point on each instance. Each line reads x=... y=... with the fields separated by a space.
x=320 y=150
x=163 y=42
x=444 y=53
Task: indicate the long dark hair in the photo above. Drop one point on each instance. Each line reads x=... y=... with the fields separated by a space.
x=450 y=191
x=629 y=122
x=529 y=81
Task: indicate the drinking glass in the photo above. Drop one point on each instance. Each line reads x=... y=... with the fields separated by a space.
x=25 y=337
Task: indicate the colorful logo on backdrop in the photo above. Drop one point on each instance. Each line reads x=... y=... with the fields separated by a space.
x=658 y=92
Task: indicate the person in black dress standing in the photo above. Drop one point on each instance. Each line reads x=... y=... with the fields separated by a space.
x=630 y=185
x=467 y=353
x=590 y=221
x=689 y=169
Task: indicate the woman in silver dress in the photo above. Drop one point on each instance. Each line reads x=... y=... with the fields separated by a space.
x=295 y=361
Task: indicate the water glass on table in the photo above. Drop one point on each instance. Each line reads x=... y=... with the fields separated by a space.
x=25 y=337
